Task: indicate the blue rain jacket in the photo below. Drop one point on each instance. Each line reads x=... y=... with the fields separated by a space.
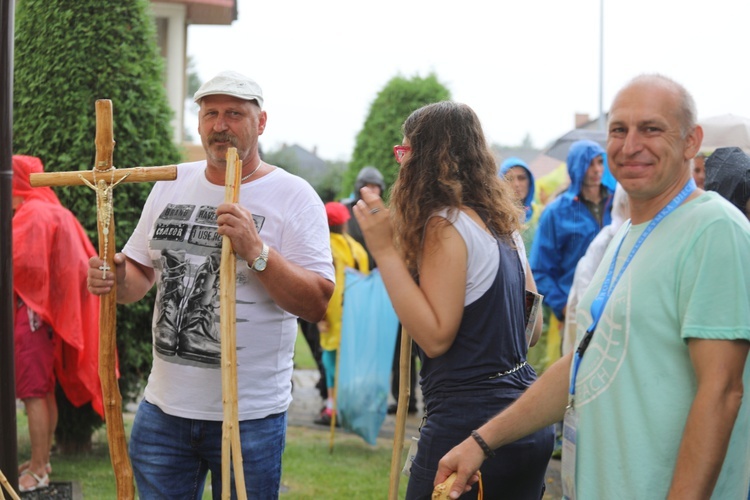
x=566 y=228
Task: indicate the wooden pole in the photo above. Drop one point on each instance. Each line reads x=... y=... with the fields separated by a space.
x=230 y=436
x=404 y=393
x=112 y=399
x=8 y=487
x=135 y=174
x=104 y=172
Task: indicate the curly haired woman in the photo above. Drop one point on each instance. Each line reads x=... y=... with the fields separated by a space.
x=455 y=269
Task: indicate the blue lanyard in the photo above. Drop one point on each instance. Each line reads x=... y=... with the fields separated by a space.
x=597 y=306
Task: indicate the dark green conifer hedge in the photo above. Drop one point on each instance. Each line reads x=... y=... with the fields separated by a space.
x=67 y=55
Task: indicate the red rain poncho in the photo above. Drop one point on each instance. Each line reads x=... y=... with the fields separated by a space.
x=50 y=261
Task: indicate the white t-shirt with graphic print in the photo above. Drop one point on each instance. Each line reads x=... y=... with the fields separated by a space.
x=177 y=236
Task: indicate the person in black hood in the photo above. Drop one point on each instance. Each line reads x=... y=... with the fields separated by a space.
x=728 y=173
x=372 y=178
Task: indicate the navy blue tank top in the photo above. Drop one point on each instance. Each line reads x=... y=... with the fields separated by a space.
x=490 y=347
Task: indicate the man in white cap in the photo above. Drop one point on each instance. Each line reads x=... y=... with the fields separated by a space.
x=279 y=232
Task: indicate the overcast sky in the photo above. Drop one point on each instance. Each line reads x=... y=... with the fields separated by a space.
x=525 y=66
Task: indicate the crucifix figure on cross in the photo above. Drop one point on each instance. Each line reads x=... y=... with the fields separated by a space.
x=104 y=208
x=108 y=303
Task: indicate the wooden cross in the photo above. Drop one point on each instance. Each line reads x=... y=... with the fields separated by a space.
x=103 y=178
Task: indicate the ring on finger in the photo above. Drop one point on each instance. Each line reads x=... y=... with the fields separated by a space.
x=374 y=211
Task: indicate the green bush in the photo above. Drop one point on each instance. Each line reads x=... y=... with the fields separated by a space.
x=68 y=55
x=382 y=128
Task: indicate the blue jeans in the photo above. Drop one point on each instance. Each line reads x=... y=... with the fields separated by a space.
x=172 y=455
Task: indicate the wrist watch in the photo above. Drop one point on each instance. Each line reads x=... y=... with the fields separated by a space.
x=261 y=261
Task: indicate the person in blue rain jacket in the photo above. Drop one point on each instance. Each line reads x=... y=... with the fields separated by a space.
x=570 y=222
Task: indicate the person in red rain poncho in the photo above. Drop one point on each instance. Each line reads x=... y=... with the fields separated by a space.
x=56 y=323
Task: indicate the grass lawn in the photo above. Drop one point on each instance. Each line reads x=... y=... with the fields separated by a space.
x=303 y=358
x=354 y=469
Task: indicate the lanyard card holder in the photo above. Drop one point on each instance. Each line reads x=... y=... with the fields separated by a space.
x=568 y=467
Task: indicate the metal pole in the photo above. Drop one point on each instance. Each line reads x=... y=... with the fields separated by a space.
x=602 y=124
x=8 y=430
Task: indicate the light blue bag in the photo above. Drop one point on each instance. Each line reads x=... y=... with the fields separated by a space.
x=368 y=340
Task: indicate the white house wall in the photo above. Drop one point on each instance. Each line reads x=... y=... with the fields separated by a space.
x=172 y=19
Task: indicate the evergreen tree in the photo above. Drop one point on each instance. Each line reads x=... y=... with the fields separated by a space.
x=68 y=55
x=382 y=128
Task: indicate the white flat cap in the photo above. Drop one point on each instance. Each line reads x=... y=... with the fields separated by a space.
x=233 y=84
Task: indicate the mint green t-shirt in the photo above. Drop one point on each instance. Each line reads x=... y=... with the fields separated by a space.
x=689 y=279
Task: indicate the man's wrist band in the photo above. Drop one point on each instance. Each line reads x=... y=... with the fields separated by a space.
x=488 y=453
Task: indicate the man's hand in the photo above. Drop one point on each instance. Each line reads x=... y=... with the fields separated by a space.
x=133 y=280
x=236 y=222
x=293 y=288
x=102 y=285
x=465 y=460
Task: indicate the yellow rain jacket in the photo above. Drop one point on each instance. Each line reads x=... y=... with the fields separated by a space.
x=347 y=252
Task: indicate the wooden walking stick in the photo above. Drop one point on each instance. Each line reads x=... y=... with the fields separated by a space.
x=230 y=429
x=404 y=393
x=102 y=179
x=8 y=487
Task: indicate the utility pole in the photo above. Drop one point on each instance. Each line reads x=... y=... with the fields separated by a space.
x=602 y=124
x=8 y=427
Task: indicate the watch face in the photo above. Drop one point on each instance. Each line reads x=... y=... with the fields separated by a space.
x=260 y=264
